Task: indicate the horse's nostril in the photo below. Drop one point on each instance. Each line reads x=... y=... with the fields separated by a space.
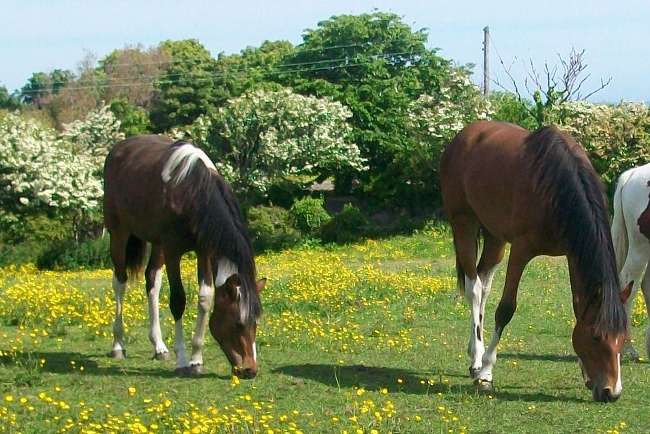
x=246 y=373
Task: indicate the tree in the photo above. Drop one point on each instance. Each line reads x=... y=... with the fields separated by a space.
x=186 y=89
x=133 y=119
x=553 y=87
x=265 y=137
x=376 y=65
x=8 y=101
x=41 y=86
x=131 y=72
x=433 y=121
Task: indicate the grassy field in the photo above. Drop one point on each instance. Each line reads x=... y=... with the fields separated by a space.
x=359 y=339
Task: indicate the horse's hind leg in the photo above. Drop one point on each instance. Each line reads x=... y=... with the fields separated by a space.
x=118 y=255
x=492 y=255
x=635 y=262
x=519 y=257
x=153 y=278
x=645 y=286
x=177 y=306
x=466 y=230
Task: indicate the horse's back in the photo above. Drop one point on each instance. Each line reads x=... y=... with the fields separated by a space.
x=133 y=186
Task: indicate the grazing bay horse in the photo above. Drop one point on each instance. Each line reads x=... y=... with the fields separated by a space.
x=171 y=195
x=539 y=192
x=631 y=235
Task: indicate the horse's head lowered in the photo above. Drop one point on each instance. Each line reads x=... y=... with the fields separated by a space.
x=234 y=331
x=599 y=354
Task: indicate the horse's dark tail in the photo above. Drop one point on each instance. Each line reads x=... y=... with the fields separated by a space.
x=135 y=253
x=460 y=271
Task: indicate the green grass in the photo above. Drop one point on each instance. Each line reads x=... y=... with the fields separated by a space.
x=309 y=379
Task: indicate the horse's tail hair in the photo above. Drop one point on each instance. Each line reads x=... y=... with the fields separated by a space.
x=619 y=230
x=460 y=271
x=135 y=255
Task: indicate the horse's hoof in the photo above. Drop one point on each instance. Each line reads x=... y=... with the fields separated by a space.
x=473 y=372
x=185 y=371
x=483 y=386
x=162 y=356
x=117 y=354
x=196 y=370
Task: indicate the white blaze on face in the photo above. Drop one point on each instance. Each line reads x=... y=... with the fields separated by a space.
x=619 y=384
x=254 y=352
x=181 y=161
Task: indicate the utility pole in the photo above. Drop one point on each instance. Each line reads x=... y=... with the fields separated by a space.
x=486 y=60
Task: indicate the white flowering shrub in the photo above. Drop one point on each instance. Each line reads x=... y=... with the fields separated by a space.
x=433 y=120
x=616 y=137
x=95 y=134
x=42 y=172
x=266 y=136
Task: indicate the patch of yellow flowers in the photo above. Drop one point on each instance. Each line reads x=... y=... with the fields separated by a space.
x=318 y=296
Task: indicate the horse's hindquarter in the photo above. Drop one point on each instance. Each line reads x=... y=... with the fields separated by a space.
x=134 y=190
x=636 y=206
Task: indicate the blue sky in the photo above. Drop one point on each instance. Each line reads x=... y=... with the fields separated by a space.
x=43 y=35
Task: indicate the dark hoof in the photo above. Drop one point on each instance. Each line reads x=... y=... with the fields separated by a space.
x=162 y=356
x=473 y=372
x=117 y=354
x=483 y=386
x=185 y=371
x=196 y=370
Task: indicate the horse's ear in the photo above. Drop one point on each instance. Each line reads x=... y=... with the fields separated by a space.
x=626 y=292
x=260 y=285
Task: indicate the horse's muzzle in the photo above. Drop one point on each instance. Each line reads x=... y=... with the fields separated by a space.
x=604 y=395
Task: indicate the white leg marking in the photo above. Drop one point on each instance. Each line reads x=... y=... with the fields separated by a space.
x=645 y=286
x=119 y=289
x=486 y=280
x=475 y=348
x=155 y=335
x=179 y=345
x=490 y=357
x=206 y=294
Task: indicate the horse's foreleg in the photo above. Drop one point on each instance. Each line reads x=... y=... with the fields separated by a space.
x=504 y=313
x=153 y=277
x=177 y=307
x=645 y=285
x=492 y=255
x=206 y=295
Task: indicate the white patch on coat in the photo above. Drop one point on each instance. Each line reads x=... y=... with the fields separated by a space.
x=179 y=345
x=155 y=335
x=225 y=269
x=181 y=162
x=119 y=288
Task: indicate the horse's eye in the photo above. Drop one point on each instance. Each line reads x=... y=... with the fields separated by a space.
x=596 y=338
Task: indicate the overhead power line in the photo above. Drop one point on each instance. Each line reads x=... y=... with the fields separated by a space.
x=201 y=76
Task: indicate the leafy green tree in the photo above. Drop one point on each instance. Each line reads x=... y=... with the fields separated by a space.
x=42 y=85
x=134 y=120
x=507 y=107
x=376 y=65
x=8 y=101
x=186 y=88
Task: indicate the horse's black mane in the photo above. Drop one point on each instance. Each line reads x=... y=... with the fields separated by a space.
x=217 y=222
x=563 y=176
